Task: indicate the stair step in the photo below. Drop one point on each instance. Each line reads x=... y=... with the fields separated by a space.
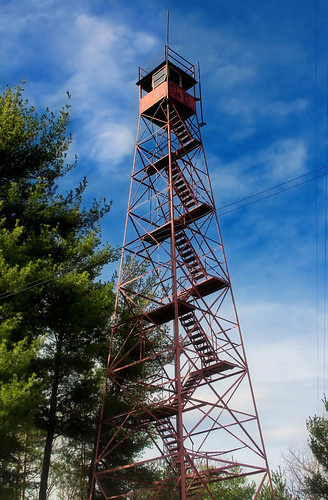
x=188 y=260
x=189 y=323
x=191 y=262
x=197 y=331
x=200 y=342
x=187 y=196
x=183 y=190
x=204 y=350
x=187 y=315
x=198 y=275
x=175 y=123
x=184 y=195
x=201 y=347
x=188 y=199
x=190 y=327
x=197 y=335
x=195 y=267
x=188 y=385
x=209 y=360
x=184 y=139
x=188 y=249
x=187 y=253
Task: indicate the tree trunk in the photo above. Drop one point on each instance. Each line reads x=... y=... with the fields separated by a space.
x=46 y=463
x=22 y=495
x=52 y=424
x=90 y=489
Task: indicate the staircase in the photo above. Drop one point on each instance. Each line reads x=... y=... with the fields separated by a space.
x=179 y=127
x=189 y=256
x=190 y=385
x=168 y=434
x=198 y=338
x=182 y=188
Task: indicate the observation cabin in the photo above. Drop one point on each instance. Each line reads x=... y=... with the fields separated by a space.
x=171 y=79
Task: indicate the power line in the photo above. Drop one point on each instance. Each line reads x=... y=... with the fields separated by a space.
x=50 y=277
x=27 y=286
x=271 y=189
x=40 y=282
x=325 y=249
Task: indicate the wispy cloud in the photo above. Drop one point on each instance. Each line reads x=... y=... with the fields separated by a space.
x=258 y=86
x=248 y=174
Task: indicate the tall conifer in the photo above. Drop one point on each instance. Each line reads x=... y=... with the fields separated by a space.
x=54 y=310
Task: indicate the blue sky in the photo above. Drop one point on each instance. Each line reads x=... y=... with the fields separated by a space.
x=264 y=88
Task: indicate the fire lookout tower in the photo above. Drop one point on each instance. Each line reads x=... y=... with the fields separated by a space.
x=178 y=413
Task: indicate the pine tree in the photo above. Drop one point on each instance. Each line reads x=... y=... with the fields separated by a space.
x=18 y=395
x=317 y=482
x=54 y=312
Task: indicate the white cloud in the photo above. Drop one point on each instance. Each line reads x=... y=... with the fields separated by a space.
x=285 y=158
x=282 y=352
x=228 y=76
x=283 y=360
x=283 y=409
x=112 y=144
x=253 y=86
x=285 y=108
x=248 y=174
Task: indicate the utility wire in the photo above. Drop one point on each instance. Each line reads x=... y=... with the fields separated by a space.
x=316 y=212
x=325 y=249
x=40 y=282
x=271 y=189
x=28 y=286
x=50 y=277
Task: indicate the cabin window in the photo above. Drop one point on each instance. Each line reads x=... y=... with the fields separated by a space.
x=175 y=76
x=159 y=77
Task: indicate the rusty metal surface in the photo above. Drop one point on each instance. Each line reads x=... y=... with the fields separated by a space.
x=177 y=365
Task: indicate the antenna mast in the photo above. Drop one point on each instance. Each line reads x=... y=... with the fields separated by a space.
x=202 y=123
x=167 y=35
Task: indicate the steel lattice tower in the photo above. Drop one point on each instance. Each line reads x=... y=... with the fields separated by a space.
x=177 y=386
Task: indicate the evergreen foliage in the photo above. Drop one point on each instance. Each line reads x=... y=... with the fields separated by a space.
x=280 y=488
x=317 y=482
x=54 y=310
x=55 y=316
x=237 y=488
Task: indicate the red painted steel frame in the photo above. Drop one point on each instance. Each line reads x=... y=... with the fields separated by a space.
x=179 y=413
